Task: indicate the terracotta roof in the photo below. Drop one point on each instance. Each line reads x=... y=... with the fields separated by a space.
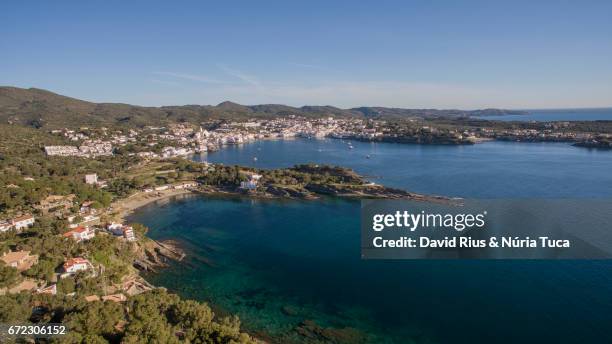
x=22 y=218
x=80 y=229
x=71 y=232
x=14 y=257
x=74 y=261
x=91 y=298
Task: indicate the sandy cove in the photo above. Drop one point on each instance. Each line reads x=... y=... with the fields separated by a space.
x=123 y=207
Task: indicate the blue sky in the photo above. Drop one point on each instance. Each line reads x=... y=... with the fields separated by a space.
x=434 y=54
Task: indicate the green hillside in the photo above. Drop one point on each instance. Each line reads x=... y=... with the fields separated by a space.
x=41 y=108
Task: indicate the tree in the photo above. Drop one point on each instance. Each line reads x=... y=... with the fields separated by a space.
x=45 y=269
x=8 y=275
x=15 y=308
x=194 y=318
x=96 y=319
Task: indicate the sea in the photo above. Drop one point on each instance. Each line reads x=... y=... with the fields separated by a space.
x=598 y=114
x=292 y=271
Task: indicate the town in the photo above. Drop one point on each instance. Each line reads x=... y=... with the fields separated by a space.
x=184 y=139
x=65 y=236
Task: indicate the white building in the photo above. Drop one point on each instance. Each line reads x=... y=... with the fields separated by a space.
x=80 y=234
x=128 y=234
x=5 y=226
x=91 y=178
x=75 y=265
x=61 y=150
x=171 y=152
x=185 y=185
x=23 y=221
x=119 y=229
x=251 y=184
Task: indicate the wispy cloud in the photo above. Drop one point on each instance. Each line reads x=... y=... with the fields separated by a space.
x=348 y=94
x=165 y=82
x=246 y=78
x=191 y=77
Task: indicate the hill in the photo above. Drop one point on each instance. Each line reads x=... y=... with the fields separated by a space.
x=41 y=108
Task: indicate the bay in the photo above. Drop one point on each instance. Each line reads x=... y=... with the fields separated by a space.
x=278 y=263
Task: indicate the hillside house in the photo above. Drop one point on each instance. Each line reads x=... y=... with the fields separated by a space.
x=20 y=260
x=74 y=265
x=251 y=184
x=5 y=226
x=124 y=231
x=22 y=222
x=80 y=234
x=91 y=179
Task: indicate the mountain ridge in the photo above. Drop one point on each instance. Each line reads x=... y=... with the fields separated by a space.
x=42 y=108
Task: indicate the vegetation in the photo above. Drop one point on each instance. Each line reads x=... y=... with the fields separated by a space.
x=152 y=317
x=27 y=176
x=8 y=275
x=41 y=108
x=461 y=124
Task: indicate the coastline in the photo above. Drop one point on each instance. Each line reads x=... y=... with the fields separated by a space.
x=125 y=206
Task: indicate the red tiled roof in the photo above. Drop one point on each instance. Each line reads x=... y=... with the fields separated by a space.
x=74 y=261
x=80 y=229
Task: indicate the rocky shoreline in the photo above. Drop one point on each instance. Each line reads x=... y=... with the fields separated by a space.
x=153 y=255
x=318 y=191
x=595 y=144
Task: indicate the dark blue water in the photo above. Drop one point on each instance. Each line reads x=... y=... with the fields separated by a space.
x=487 y=170
x=604 y=114
x=259 y=259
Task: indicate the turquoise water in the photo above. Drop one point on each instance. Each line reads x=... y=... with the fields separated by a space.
x=604 y=114
x=277 y=263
